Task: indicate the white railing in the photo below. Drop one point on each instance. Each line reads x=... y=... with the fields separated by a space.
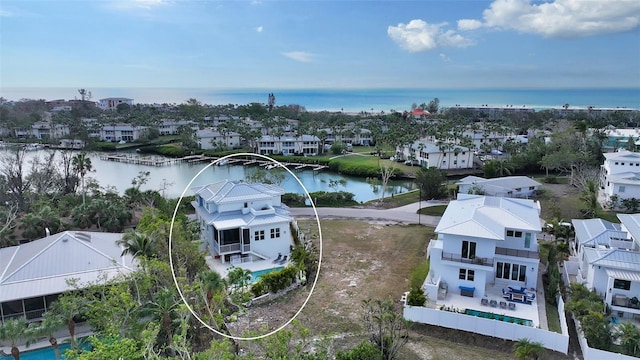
x=589 y=353
x=229 y=248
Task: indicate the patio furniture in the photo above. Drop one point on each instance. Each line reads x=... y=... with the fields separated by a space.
x=484 y=302
x=506 y=294
x=467 y=291
x=512 y=306
x=493 y=303
x=284 y=260
x=277 y=260
x=503 y=304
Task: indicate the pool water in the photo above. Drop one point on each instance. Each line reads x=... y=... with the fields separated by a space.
x=505 y=318
x=256 y=274
x=40 y=354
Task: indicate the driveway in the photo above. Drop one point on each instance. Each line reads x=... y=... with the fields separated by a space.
x=404 y=214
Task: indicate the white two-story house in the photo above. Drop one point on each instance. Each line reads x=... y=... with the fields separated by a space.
x=607 y=261
x=620 y=175
x=445 y=156
x=243 y=222
x=508 y=186
x=484 y=241
x=289 y=145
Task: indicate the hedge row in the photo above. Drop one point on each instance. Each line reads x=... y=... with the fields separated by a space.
x=274 y=281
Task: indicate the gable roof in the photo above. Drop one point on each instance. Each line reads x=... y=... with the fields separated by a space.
x=629 y=178
x=227 y=191
x=622 y=155
x=596 y=231
x=488 y=217
x=42 y=267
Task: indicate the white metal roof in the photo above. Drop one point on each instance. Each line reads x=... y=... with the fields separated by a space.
x=596 y=231
x=42 y=267
x=632 y=223
x=227 y=191
x=488 y=217
x=613 y=258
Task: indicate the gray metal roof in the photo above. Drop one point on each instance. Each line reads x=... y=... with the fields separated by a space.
x=631 y=222
x=227 y=191
x=596 y=232
x=43 y=266
x=507 y=182
x=613 y=258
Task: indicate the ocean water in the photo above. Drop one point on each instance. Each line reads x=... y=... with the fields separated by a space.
x=355 y=100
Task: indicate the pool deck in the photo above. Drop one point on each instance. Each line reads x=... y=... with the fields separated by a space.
x=223 y=268
x=493 y=292
x=62 y=335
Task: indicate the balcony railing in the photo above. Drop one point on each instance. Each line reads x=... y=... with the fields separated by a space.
x=229 y=248
x=518 y=253
x=246 y=247
x=475 y=260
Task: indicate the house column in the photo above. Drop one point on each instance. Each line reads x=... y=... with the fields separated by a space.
x=608 y=292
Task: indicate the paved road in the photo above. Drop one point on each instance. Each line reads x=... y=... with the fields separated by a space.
x=403 y=214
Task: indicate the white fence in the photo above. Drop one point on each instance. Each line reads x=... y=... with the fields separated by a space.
x=589 y=353
x=489 y=327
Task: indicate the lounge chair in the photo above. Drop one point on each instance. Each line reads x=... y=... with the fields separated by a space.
x=503 y=304
x=284 y=260
x=512 y=306
x=277 y=260
x=493 y=303
x=484 y=302
x=506 y=294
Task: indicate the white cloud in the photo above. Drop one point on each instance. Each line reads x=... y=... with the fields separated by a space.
x=418 y=36
x=562 y=18
x=259 y=29
x=301 y=56
x=469 y=24
x=136 y=4
x=6 y=13
x=445 y=58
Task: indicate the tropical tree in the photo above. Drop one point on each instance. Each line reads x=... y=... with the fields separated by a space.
x=13 y=330
x=629 y=336
x=526 y=349
x=81 y=164
x=239 y=278
x=51 y=322
x=431 y=183
x=165 y=310
x=589 y=198
x=137 y=244
x=387 y=330
x=69 y=306
x=212 y=283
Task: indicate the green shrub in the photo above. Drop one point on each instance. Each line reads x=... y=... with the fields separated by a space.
x=335 y=198
x=416 y=297
x=291 y=199
x=550 y=179
x=279 y=279
x=258 y=288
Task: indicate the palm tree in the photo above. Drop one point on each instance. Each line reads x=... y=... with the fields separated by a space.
x=525 y=349
x=81 y=164
x=629 y=336
x=67 y=307
x=137 y=244
x=81 y=216
x=13 y=330
x=50 y=323
x=164 y=310
x=212 y=283
x=239 y=277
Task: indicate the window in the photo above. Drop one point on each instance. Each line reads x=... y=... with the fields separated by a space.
x=455 y=162
x=518 y=189
x=509 y=232
x=527 y=240
x=468 y=249
x=275 y=233
x=518 y=234
x=616 y=163
x=621 y=189
x=259 y=235
x=621 y=163
x=509 y=271
x=532 y=187
x=466 y=274
x=621 y=284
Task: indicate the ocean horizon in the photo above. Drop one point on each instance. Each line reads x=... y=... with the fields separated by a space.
x=353 y=100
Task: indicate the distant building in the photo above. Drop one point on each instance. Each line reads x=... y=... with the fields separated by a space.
x=289 y=145
x=443 y=156
x=508 y=186
x=212 y=139
x=113 y=102
x=620 y=175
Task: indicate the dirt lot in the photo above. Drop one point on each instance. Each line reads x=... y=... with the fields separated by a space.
x=363 y=260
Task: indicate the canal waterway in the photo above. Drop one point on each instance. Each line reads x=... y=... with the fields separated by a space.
x=119 y=175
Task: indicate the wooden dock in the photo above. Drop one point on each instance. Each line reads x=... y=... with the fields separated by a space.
x=154 y=160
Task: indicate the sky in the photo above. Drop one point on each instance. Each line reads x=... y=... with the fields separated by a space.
x=320 y=44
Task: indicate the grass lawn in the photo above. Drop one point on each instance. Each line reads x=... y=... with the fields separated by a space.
x=397 y=200
x=437 y=210
x=553 y=318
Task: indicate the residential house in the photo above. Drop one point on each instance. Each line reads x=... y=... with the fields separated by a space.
x=508 y=186
x=33 y=275
x=620 y=175
x=243 y=222
x=289 y=145
x=116 y=132
x=113 y=102
x=172 y=127
x=349 y=135
x=44 y=130
x=619 y=138
x=607 y=261
x=444 y=156
x=484 y=242
x=212 y=139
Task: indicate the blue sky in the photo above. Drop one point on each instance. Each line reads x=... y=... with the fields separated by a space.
x=320 y=44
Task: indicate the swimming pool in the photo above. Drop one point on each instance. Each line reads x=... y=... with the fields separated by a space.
x=505 y=318
x=41 y=354
x=256 y=274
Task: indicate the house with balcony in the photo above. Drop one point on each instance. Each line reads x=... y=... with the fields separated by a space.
x=508 y=186
x=242 y=222
x=620 y=175
x=112 y=103
x=214 y=139
x=289 y=145
x=607 y=261
x=444 y=156
x=484 y=242
x=33 y=275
